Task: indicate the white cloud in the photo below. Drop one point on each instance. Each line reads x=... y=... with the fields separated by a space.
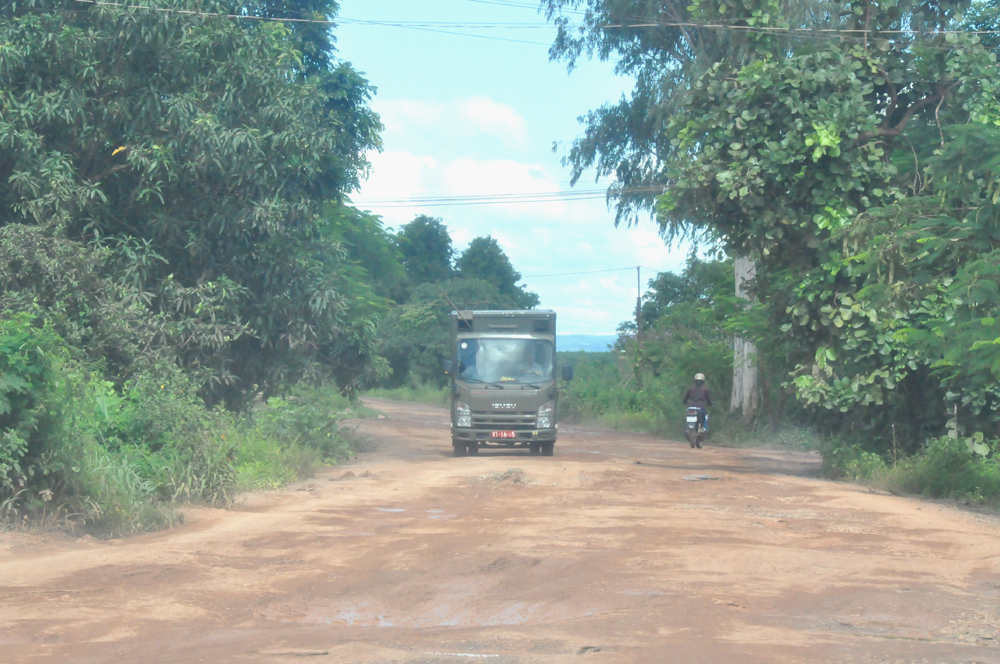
x=402 y=175
x=461 y=117
x=493 y=118
x=448 y=149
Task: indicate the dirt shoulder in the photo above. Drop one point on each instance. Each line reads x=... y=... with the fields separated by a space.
x=621 y=548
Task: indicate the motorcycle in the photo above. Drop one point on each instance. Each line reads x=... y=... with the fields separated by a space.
x=695 y=430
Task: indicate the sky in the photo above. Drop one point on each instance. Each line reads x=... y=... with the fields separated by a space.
x=467 y=116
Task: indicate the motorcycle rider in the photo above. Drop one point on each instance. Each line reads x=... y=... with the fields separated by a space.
x=698 y=396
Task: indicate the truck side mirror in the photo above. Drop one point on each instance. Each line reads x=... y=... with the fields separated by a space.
x=447 y=367
x=567 y=372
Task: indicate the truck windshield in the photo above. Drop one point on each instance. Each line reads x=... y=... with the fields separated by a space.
x=518 y=361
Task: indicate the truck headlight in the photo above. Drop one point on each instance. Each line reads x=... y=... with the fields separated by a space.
x=545 y=413
x=463 y=415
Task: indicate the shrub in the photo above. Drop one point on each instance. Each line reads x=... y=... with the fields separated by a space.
x=418 y=393
x=119 y=458
x=851 y=461
x=946 y=469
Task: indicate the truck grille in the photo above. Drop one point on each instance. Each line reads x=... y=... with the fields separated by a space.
x=503 y=421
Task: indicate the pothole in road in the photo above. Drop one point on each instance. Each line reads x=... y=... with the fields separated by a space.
x=511 y=476
x=464 y=604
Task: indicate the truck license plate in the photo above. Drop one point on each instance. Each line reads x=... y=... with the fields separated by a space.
x=502 y=434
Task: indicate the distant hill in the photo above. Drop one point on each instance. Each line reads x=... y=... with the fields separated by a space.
x=593 y=343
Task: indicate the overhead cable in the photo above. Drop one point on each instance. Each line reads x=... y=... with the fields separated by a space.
x=637 y=22
x=509 y=198
x=572 y=274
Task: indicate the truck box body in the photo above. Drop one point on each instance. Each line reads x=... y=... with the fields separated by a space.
x=503 y=380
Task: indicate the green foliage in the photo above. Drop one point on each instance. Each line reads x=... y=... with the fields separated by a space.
x=415 y=336
x=425 y=245
x=703 y=283
x=117 y=459
x=684 y=333
x=376 y=269
x=427 y=394
x=860 y=176
x=601 y=393
x=834 y=169
x=194 y=155
x=486 y=261
x=946 y=469
x=29 y=403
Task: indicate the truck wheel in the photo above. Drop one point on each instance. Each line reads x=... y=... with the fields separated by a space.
x=473 y=448
x=459 y=448
x=548 y=449
x=535 y=449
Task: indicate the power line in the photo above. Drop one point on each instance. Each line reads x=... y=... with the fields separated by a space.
x=640 y=22
x=508 y=198
x=570 y=274
x=423 y=26
x=467 y=34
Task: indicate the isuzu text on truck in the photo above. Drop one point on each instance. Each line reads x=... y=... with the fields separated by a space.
x=503 y=380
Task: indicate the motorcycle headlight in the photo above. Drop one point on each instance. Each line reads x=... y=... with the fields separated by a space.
x=463 y=415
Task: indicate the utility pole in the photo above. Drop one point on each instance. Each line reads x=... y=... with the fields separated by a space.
x=638 y=306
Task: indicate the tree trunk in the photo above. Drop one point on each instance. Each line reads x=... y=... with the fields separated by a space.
x=745 y=392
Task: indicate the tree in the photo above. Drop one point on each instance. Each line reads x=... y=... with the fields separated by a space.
x=415 y=336
x=835 y=164
x=687 y=331
x=314 y=41
x=485 y=260
x=702 y=282
x=192 y=149
x=807 y=160
x=657 y=44
x=425 y=245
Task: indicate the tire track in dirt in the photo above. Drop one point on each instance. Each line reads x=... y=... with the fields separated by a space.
x=621 y=548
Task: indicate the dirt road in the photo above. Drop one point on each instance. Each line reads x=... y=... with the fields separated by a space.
x=621 y=548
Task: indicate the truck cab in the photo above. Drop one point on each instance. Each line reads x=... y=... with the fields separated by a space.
x=503 y=380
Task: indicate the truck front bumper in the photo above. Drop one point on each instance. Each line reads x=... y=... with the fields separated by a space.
x=484 y=436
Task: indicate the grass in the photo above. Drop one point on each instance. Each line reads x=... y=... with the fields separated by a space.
x=945 y=468
x=119 y=464
x=427 y=394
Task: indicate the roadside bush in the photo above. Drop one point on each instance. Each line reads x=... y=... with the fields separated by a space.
x=946 y=469
x=286 y=439
x=418 y=393
x=851 y=461
x=119 y=459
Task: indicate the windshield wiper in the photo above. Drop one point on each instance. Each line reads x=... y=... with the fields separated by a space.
x=484 y=382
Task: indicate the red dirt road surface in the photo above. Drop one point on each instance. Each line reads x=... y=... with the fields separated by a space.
x=621 y=548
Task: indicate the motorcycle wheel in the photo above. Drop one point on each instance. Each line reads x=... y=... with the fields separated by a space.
x=691 y=436
x=701 y=439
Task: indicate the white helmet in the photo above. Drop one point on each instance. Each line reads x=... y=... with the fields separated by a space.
x=699 y=376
